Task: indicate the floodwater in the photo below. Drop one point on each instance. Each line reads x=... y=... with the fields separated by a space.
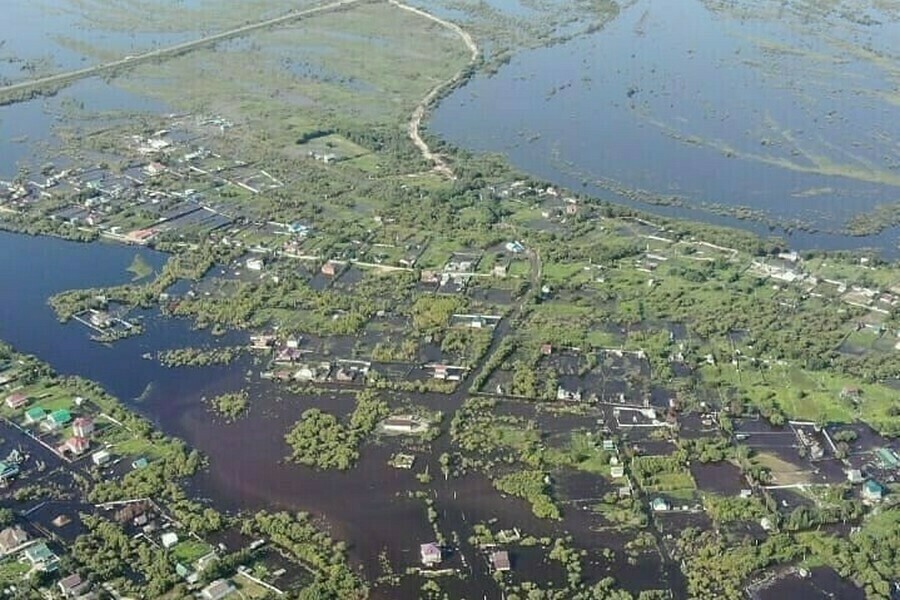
x=820 y=583
x=368 y=506
x=732 y=104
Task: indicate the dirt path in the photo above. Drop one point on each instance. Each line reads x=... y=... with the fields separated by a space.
x=15 y=92
x=415 y=121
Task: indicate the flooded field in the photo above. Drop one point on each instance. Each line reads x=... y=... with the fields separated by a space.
x=734 y=98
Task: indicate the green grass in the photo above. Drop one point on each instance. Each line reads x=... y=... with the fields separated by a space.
x=189 y=551
x=12 y=570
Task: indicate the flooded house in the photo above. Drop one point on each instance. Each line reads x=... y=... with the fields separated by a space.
x=101 y=457
x=431 y=554
x=8 y=470
x=872 y=491
x=660 y=505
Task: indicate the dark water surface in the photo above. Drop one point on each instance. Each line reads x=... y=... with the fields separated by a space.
x=731 y=104
x=368 y=505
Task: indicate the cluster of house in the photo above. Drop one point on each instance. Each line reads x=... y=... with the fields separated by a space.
x=432 y=554
x=16 y=544
x=95 y=195
x=54 y=422
x=143 y=517
x=787 y=268
x=455 y=275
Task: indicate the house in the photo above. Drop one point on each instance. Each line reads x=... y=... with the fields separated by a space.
x=500 y=560
x=168 y=539
x=40 y=557
x=132 y=512
x=8 y=470
x=58 y=418
x=660 y=505
x=83 y=427
x=60 y=521
x=73 y=586
x=515 y=247
x=887 y=458
x=568 y=395
x=255 y=264
x=617 y=472
x=431 y=554
x=186 y=573
x=206 y=560
x=851 y=393
x=345 y=375
x=100 y=318
x=75 y=445
x=329 y=268
x=16 y=401
x=101 y=457
x=546 y=349
x=155 y=168
x=220 y=588
x=854 y=476
x=400 y=424
x=872 y=491
x=11 y=538
x=34 y=414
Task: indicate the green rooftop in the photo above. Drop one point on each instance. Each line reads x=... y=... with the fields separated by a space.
x=60 y=417
x=35 y=414
x=888 y=458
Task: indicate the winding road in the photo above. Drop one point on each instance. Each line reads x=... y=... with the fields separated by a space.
x=415 y=122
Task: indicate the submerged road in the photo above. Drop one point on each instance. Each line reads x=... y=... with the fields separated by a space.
x=25 y=89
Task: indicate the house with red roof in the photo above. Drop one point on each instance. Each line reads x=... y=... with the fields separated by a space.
x=16 y=401
x=75 y=446
x=83 y=427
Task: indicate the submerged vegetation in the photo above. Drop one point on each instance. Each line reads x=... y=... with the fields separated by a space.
x=230 y=406
x=320 y=440
x=615 y=381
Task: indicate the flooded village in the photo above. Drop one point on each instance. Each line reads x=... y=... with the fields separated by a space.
x=474 y=394
x=262 y=345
